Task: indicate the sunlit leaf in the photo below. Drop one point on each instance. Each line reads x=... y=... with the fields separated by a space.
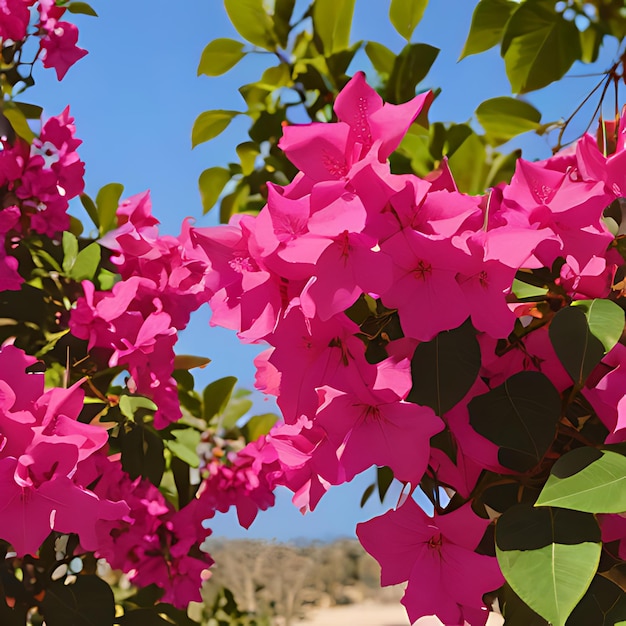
x=211 y=184
x=538 y=45
x=107 y=202
x=252 y=22
x=332 y=22
x=184 y=445
x=548 y=557
x=504 y=118
x=259 y=425
x=210 y=124
x=216 y=396
x=70 y=251
x=86 y=263
x=18 y=122
x=605 y=319
x=405 y=15
x=219 y=56
x=597 y=484
x=488 y=21
x=380 y=56
x=247 y=153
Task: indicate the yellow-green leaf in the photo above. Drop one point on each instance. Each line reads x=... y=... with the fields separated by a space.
x=405 y=15
x=332 y=21
x=252 y=22
x=504 y=118
x=211 y=184
x=210 y=124
x=219 y=56
x=488 y=21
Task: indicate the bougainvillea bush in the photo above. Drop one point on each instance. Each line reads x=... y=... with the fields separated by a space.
x=465 y=341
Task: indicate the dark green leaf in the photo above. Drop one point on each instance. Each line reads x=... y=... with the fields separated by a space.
x=88 y=601
x=504 y=118
x=405 y=15
x=332 y=22
x=216 y=396
x=604 y=604
x=252 y=22
x=384 y=478
x=538 y=46
x=590 y=42
x=578 y=350
x=444 y=369
x=130 y=404
x=210 y=124
x=219 y=56
x=81 y=8
x=409 y=69
x=520 y=417
x=488 y=21
x=380 y=56
x=86 y=263
x=107 y=201
x=142 y=453
x=548 y=557
x=283 y=10
x=515 y=611
x=30 y=111
x=142 y=617
x=583 y=481
x=367 y=494
x=234 y=203
x=211 y=184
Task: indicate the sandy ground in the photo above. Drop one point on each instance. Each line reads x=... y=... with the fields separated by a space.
x=367 y=614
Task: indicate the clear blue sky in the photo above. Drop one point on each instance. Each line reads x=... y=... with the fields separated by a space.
x=136 y=95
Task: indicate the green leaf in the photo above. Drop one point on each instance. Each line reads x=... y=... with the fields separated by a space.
x=219 y=56
x=210 y=124
x=405 y=15
x=577 y=348
x=524 y=290
x=107 y=202
x=380 y=56
x=30 y=111
x=504 y=118
x=234 y=203
x=18 y=122
x=367 y=494
x=548 y=557
x=605 y=319
x=468 y=165
x=70 y=251
x=384 y=478
x=188 y=361
x=283 y=10
x=590 y=42
x=247 y=153
x=259 y=425
x=520 y=416
x=216 y=396
x=488 y=21
x=211 y=184
x=185 y=445
x=332 y=21
x=598 y=487
x=86 y=263
x=88 y=600
x=236 y=408
x=252 y=22
x=130 y=404
x=444 y=369
x=538 y=46
x=91 y=209
x=604 y=604
x=410 y=67
x=81 y=8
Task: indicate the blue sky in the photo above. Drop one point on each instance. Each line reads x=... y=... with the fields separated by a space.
x=135 y=97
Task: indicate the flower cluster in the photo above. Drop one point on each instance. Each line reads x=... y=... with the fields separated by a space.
x=58 y=38
x=45 y=453
x=153 y=543
x=348 y=235
x=37 y=181
x=137 y=322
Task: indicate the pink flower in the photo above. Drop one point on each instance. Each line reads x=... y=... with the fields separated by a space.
x=436 y=555
x=61 y=51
